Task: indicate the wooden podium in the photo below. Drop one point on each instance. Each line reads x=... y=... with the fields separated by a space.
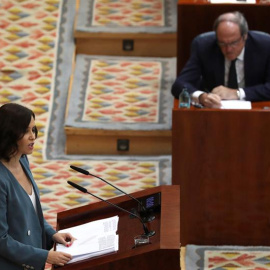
x=221 y=160
x=163 y=252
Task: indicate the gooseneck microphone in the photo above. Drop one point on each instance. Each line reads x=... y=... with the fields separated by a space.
x=84 y=190
x=147 y=217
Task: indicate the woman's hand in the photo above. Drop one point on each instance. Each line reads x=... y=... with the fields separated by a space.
x=64 y=238
x=58 y=258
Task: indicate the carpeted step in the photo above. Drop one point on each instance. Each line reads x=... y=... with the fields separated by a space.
x=120 y=105
x=126 y=28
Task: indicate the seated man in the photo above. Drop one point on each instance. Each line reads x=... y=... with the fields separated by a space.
x=209 y=75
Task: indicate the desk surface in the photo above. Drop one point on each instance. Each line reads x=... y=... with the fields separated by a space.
x=261 y=106
x=207 y=2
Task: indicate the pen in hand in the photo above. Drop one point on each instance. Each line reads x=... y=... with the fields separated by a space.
x=200 y=106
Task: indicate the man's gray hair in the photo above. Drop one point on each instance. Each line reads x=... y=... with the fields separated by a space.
x=235 y=17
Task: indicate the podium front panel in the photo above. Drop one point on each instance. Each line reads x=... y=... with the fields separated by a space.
x=221 y=160
x=163 y=250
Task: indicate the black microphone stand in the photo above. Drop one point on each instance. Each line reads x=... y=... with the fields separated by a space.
x=145 y=215
x=84 y=190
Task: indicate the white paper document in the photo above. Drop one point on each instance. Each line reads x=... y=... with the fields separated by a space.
x=93 y=239
x=233 y=1
x=236 y=104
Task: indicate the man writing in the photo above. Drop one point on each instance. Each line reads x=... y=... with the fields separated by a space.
x=231 y=63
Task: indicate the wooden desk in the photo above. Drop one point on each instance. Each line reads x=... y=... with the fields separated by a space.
x=198 y=16
x=221 y=159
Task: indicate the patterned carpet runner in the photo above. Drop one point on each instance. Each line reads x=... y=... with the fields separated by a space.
x=30 y=42
x=227 y=258
x=121 y=93
x=145 y=16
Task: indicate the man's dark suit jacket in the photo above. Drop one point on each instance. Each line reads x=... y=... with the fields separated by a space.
x=205 y=67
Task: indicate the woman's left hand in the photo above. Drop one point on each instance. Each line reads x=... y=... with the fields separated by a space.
x=64 y=238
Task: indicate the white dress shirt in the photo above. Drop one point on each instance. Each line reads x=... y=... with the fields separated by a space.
x=33 y=199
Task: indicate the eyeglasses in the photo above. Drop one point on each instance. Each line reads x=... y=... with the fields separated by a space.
x=231 y=44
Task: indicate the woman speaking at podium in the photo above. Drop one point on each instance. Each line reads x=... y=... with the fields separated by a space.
x=25 y=236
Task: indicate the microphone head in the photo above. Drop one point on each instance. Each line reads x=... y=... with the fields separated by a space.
x=79 y=170
x=80 y=188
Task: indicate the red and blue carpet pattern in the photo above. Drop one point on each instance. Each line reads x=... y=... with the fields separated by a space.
x=128 y=13
x=121 y=93
x=117 y=16
x=227 y=257
x=37 y=45
x=115 y=85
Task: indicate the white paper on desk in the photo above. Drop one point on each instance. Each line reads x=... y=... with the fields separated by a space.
x=236 y=104
x=232 y=2
x=93 y=239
